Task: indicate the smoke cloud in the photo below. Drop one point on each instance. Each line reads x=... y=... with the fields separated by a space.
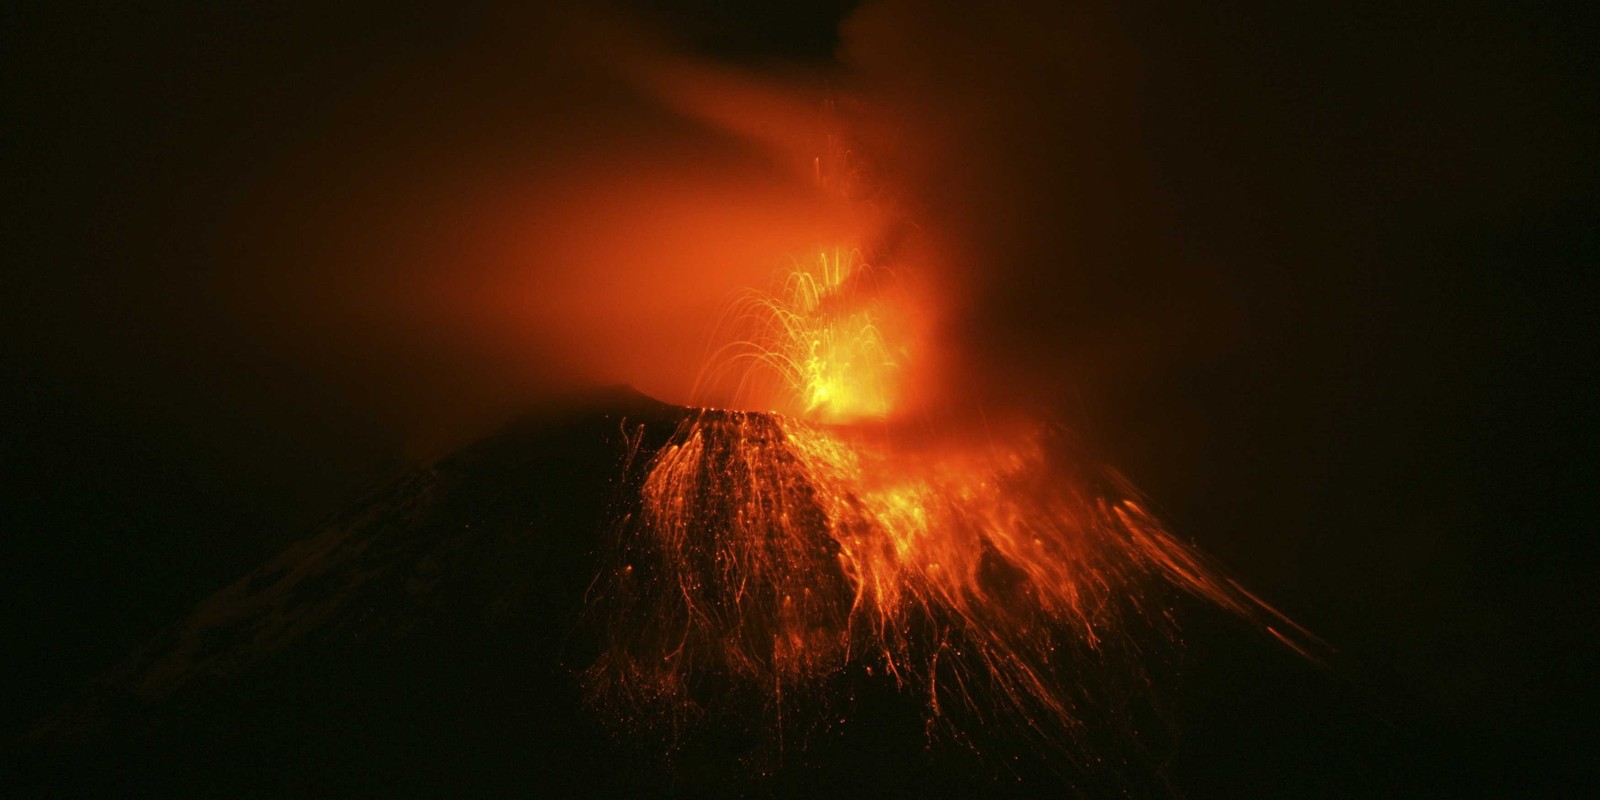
x=1315 y=275
x=585 y=219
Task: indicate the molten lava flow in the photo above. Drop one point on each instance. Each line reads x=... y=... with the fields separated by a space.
x=773 y=551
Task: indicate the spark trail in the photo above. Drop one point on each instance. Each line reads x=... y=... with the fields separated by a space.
x=994 y=574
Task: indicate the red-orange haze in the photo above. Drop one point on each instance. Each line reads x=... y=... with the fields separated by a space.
x=819 y=261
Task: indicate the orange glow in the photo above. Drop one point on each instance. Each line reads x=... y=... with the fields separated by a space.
x=772 y=550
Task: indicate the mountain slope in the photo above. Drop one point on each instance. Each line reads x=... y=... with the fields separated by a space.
x=446 y=603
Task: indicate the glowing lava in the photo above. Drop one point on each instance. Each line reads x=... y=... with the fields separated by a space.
x=773 y=551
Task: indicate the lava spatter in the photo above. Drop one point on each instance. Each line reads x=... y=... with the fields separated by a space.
x=999 y=574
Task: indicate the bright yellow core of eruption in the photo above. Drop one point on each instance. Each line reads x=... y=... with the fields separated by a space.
x=815 y=348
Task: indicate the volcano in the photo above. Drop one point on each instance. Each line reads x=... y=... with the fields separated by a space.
x=435 y=638
x=445 y=636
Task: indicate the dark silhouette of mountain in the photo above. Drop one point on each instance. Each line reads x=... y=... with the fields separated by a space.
x=421 y=641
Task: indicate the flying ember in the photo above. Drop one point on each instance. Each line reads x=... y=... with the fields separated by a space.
x=817 y=348
x=772 y=550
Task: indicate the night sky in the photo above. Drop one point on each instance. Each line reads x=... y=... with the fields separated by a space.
x=1318 y=277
